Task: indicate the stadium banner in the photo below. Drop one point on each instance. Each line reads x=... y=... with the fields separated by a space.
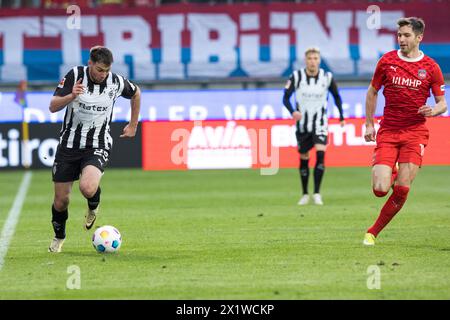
x=268 y=144
x=182 y=105
x=44 y=139
x=191 y=41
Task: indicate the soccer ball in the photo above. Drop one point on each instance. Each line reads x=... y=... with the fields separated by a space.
x=106 y=239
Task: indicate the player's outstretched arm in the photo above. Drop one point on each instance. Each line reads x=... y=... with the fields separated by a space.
x=439 y=108
x=58 y=103
x=130 y=129
x=371 y=105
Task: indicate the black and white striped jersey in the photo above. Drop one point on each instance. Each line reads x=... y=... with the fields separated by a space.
x=311 y=95
x=87 y=119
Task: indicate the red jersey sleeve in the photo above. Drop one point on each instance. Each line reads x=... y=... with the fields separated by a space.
x=378 y=76
x=437 y=82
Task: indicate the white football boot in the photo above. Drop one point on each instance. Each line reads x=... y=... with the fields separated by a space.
x=304 y=200
x=317 y=199
x=56 y=245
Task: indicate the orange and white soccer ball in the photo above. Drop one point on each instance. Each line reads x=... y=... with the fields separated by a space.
x=107 y=239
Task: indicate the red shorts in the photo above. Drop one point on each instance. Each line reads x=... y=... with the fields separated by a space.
x=402 y=146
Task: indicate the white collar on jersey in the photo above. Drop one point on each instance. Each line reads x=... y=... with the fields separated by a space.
x=421 y=55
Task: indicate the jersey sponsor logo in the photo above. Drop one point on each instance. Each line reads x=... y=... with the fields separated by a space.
x=414 y=83
x=93 y=108
x=422 y=149
x=312 y=95
x=443 y=88
x=394 y=68
x=61 y=83
x=422 y=73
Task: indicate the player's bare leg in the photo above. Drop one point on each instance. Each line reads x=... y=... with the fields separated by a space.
x=381 y=183
x=318 y=172
x=304 y=177
x=381 y=179
x=60 y=214
x=90 y=188
x=406 y=174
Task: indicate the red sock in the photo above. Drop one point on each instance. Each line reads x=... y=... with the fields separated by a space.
x=390 y=208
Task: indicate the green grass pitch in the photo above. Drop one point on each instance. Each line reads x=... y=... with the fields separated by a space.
x=232 y=234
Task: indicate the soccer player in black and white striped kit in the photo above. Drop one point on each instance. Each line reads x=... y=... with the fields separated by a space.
x=89 y=92
x=311 y=86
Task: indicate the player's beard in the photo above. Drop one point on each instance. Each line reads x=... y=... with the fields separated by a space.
x=97 y=80
x=405 y=50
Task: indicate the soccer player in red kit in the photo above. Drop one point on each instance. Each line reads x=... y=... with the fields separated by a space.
x=407 y=76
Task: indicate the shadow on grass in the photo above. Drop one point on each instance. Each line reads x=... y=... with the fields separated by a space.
x=127 y=256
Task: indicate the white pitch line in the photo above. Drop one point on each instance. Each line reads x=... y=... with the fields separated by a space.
x=13 y=217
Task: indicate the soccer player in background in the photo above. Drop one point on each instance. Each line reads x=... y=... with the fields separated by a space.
x=407 y=76
x=311 y=86
x=89 y=92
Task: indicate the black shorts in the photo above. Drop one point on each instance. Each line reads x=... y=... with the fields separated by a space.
x=307 y=140
x=70 y=162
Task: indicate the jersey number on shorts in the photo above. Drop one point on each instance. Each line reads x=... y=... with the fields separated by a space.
x=101 y=153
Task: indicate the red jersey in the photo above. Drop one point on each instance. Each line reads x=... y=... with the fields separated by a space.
x=407 y=83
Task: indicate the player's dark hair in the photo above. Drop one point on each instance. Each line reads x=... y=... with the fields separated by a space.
x=102 y=55
x=417 y=24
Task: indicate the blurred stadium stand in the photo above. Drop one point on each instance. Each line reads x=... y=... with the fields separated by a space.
x=154 y=3
x=177 y=50
x=196 y=82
